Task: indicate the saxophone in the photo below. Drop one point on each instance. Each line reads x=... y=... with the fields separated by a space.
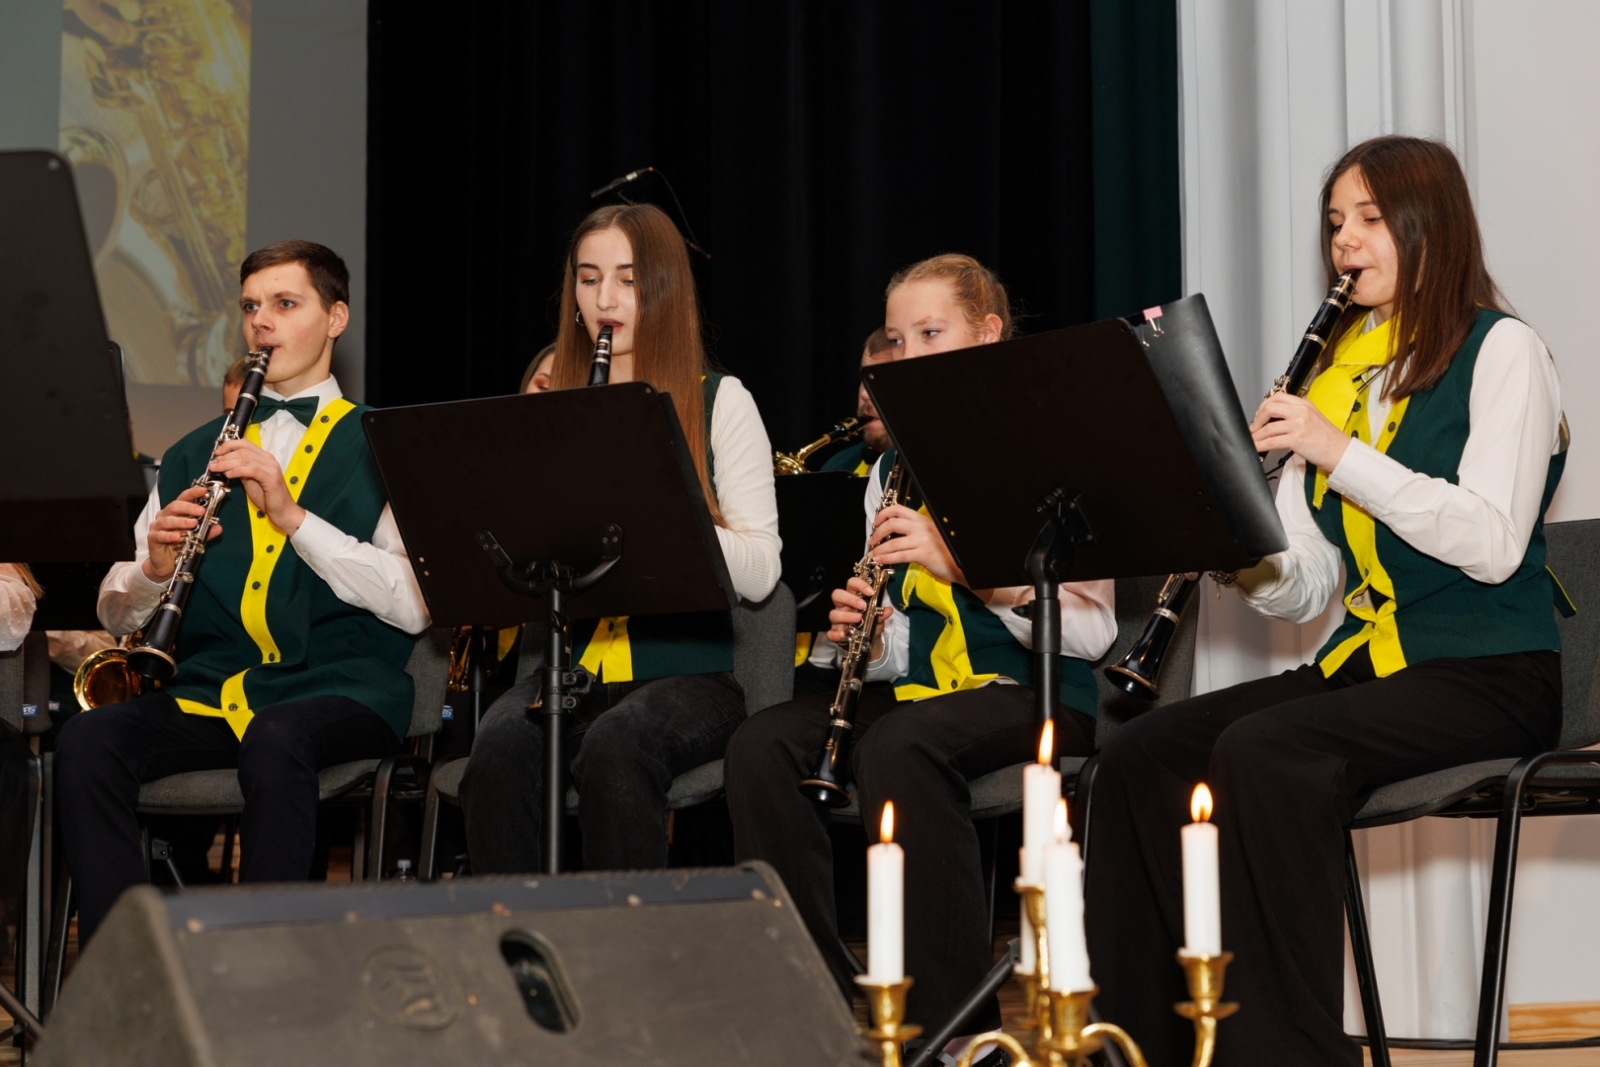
x=827 y=784
x=154 y=659
x=1138 y=672
x=795 y=462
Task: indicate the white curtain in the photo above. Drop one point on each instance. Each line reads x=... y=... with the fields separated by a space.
x=1272 y=93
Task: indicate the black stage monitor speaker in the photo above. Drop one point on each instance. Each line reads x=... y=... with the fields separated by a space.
x=659 y=968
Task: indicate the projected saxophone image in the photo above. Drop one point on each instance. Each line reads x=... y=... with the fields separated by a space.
x=155 y=112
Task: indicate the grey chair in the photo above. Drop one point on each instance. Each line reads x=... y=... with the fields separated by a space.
x=763 y=662
x=25 y=684
x=372 y=785
x=1564 y=782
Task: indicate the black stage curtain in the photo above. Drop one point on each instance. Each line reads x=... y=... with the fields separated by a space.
x=816 y=146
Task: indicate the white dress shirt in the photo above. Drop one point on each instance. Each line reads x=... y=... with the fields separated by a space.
x=16 y=607
x=375 y=576
x=1482 y=523
x=1088 y=616
x=742 y=479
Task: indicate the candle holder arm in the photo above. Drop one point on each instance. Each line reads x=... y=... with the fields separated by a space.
x=1120 y=1038
x=1019 y=1055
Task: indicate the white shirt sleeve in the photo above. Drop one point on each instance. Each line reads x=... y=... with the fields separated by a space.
x=1483 y=522
x=16 y=607
x=742 y=478
x=375 y=576
x=1306 y=574
x=127 y=598
x=1088 y=616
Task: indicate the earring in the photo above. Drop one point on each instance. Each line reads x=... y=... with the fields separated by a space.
x=579 y=318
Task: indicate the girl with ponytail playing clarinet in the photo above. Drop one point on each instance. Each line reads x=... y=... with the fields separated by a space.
x=960 y=706
x=1424 y=457
x=665 y=699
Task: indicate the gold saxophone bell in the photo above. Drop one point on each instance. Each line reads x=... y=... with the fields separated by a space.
x=105 y=677
x=795 y=462
x=459 y=679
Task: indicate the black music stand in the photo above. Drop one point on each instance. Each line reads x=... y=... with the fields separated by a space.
x=69 y=476
x=583 y=498
x=1126 y=454
x=824 y=531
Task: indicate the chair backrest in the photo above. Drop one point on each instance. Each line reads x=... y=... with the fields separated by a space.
x=763 y=649
x=1136 y=599
x=11 y=680
x=1573 y=555
x=429 y=667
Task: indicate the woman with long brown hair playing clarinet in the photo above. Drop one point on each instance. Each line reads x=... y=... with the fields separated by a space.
x=1424 y=457
x=665 y=699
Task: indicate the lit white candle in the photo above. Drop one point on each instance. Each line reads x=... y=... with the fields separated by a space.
x=1026 y=964
x=1041 y=789
x=1063 y=908
x=886 y=876
x=1202 y=894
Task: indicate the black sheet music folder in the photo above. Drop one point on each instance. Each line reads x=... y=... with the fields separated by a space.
x=1136 y=419
x=546 y=473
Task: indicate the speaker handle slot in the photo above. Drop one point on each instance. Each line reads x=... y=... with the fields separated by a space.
x=545 y=992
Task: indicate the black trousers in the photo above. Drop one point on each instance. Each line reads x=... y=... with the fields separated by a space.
x=626 y=743
x=1290 y=760
x=920 y=755
x=104 y=756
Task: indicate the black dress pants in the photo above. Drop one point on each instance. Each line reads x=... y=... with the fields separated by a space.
x=103 y=757
x=921 y=755
x=626 y=743
x=1290 y=760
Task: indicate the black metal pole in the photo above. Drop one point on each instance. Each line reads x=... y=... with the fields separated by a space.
x=476 y=681
x=23 y=1017
x=555 y=717
x=1043 y=568
x=998 y=976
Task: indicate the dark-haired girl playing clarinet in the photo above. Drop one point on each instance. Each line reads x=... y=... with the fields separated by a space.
x=1424 y=457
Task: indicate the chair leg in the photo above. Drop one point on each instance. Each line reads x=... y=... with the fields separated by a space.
x=230 y=834
x=1083 y=792
x=56 y=958
x=358 y=846
x=379 y=822
x=1491 y=993
x=992 y=861
x=1361 y=947
x=428 y=862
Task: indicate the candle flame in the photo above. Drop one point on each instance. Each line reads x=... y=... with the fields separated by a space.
x=886 y=824
x=1047 y=742
x=1063 y=831
x=1200 y=804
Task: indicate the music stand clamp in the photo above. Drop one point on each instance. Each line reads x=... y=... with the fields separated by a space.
x=552 y=581
x=1049 y=560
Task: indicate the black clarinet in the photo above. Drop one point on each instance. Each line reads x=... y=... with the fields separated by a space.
x=600 y=362
x=154 y=659
x=1138 y=673
x=827 y=784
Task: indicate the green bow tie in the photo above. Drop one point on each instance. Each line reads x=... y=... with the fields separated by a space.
x=301 y=409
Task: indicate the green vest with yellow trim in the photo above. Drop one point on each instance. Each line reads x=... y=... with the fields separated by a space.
x=261 y=628
x=958 y=643
x=642 y=648
x=855 y=458
x=1437 y=610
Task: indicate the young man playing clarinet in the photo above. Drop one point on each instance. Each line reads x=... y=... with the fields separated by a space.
x=292 y=648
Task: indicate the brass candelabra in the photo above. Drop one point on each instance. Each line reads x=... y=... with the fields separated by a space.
x=1064 y=1035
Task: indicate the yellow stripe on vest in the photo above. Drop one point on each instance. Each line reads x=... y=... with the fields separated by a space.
x=802 y=648
x=1361 y=532
x=609 y=656
x=267 y=543
x=951 y=662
